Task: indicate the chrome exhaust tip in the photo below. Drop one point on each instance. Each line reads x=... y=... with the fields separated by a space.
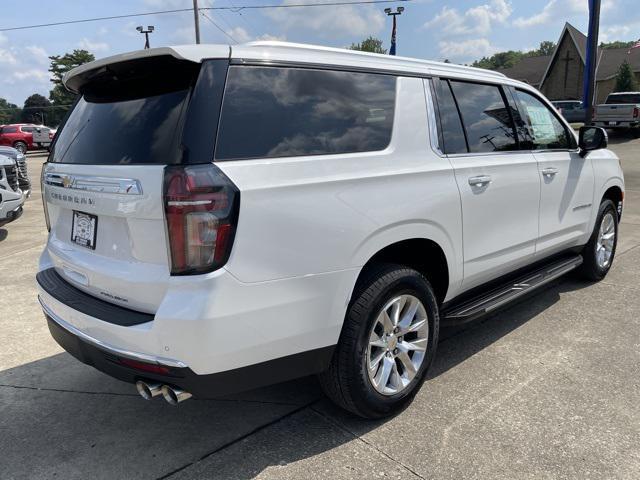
x=174 y=396
x=148 y=390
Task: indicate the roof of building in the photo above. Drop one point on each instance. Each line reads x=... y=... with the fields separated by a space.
x=533 y=70
x=269 y=51
x=528 y=69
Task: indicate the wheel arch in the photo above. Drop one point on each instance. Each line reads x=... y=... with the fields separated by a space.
x=616 y=195
x=422 y=254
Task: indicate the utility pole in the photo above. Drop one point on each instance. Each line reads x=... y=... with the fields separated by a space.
x=592 y=60
x=399 y=10
x=196 y=19
x=146 y=32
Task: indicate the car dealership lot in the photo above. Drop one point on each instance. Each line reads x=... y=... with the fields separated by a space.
x=549 y=388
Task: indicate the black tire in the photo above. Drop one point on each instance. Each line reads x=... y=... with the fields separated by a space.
x=347 y=382
x=20 y=146
x=590 y=269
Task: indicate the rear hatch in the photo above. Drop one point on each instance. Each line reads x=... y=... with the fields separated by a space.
x=103 y=182
x=619 y=107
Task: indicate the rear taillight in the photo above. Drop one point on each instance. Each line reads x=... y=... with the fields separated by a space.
x=636 y=112
x=201 y=206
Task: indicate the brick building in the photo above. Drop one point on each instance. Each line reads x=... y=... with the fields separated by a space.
x=560 y=75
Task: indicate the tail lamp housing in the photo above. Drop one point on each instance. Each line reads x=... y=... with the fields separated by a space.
x=636 y=112
x=201 y=208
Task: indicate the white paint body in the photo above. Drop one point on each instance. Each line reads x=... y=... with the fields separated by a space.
x=307 y=226
x=10 y=200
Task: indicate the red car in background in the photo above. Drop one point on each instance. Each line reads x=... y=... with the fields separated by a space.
x=20 y=136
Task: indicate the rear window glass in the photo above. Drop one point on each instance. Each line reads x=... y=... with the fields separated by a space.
x=486 y=118
x=9 y=130
x=276 y=112
x=631 y=98
x=130 y=113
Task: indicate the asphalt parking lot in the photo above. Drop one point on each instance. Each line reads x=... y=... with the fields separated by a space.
x=549 y=388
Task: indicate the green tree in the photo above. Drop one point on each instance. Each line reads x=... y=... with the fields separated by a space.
x=60 y=97
x=371 y=44
x=9 y=112
x=499 y=60
x=35 y=109
x=625 y=79
x=546 y=48
x=608 y=45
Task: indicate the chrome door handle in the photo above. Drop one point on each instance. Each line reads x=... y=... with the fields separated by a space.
x=550 y=172
x=480 y=181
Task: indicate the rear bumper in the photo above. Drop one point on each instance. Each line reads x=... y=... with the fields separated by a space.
x=616 y=124
x=109 y=359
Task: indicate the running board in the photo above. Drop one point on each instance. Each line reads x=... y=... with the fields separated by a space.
x=500 y=296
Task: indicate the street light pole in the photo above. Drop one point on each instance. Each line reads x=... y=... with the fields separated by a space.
x=196 y=19
x=592 y=60
x=399 y=10
x=146 y=32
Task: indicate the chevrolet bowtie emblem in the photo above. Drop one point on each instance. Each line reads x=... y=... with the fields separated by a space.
x=67 y=181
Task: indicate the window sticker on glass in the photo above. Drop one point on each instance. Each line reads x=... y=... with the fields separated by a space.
x=542 y=124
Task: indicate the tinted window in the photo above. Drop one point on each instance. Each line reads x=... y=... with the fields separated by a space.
x=544 y=131
x=452 y=132
x=486 y=118
x=27 y=129
x=629 y=98
x=276 y=112
x=9 y=129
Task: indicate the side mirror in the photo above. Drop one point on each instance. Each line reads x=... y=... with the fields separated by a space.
x=592 y=138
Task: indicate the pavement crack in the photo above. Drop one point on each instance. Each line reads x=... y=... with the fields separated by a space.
x=369 y=444
x=237 y=440
x=85 y=392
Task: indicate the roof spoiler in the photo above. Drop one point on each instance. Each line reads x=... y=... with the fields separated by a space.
x=74 y=79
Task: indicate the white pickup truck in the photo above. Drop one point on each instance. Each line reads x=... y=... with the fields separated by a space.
x=620 y=110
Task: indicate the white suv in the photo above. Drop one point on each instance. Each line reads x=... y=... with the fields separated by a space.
x=227 y=217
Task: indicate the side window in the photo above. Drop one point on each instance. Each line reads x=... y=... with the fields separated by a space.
x=544 y=131
x=9 y=129
x=272 y=112
x=27 y=129
x=450 y=124
x=486 y=118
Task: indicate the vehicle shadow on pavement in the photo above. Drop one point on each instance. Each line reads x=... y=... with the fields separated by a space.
x=60 y=417
x=4 y=233
x=619 y=137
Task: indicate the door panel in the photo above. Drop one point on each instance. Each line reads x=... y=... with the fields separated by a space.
x=500 y=218
x=566 y=200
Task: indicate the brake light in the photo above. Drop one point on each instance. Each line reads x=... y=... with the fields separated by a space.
x=145 y=367
x=201 y=206
x=636 y=112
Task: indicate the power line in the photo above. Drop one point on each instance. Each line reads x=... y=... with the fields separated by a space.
x=218 y=26
x=181 y=10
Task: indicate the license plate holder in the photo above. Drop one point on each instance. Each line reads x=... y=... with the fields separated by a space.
x=84 y=229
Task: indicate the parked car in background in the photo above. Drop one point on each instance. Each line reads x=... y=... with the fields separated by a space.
x=21 y=136
x=11 y=197
x=24 y=182
x=269 y=211
x=572 y=110
x=620 y=110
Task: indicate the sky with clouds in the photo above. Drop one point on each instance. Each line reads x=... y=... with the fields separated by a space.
x=460 y=30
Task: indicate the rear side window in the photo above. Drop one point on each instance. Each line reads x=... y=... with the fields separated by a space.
x=627 y=98
x=9 y=130
x=27 y=129
x=544 y=131
x=452 y=131
x=272 y=112
x=486 y=118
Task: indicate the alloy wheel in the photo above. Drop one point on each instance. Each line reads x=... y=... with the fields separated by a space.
x=397 y=344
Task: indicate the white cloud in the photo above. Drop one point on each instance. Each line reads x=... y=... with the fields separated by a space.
x=94 y=47
x=477 y=20
x=7 y=57
x=344 y=21
x=560 y=10
x=466 y=50
x=268 y=36
x=39 y=54
x=32 y=73
x=239 y=34
x=3 y=38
